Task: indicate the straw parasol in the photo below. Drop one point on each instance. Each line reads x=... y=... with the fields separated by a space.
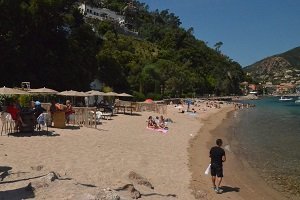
x=11 y=91
x=95 y=93
x=124 y=95
x=111 y=94
x=43 y=90
x=73 y=93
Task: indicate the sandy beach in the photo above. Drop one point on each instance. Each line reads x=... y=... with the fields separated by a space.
x=88 y=160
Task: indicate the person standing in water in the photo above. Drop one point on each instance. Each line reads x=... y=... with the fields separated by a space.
x=217 y=155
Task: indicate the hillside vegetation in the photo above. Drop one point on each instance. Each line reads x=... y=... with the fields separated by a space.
x=50 y=43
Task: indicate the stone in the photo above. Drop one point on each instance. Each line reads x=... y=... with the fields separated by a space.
x=200 y=194
x=139 y=179
x=107 y=195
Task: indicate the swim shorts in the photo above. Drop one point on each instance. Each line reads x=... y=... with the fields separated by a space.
x=216 y=170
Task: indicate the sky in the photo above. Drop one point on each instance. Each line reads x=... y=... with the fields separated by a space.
x=249 y=29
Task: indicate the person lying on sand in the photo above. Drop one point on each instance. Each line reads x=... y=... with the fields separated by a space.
x=152 y=123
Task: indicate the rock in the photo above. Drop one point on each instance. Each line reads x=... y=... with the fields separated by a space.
x=107 y=195
x=42 y=182
x=38 y=168
x=199 y=194
x=134 y=193
x=84 y=197
x=51 y=176
x=139 y=179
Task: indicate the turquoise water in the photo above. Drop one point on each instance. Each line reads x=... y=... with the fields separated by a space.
x=269 y=138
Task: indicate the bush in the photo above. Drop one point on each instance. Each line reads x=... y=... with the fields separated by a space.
x=138 y=96
x=24 y=100
x=154 y=96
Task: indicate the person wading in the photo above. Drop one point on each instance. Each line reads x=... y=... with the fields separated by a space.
x=217 y=155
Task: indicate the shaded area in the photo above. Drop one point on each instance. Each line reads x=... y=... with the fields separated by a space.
x=230 y=189
x=23 y=179
x=17 y=194
x=71 y=127
x=161 y=195
x=4 y=172
x=35 y=133
x=86 y=185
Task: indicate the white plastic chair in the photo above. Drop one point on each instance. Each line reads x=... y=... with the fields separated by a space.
x=43 y=120
x=8 y=123
x=72 y=118
x=98 y=116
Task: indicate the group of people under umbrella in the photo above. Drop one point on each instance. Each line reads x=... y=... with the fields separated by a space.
x=36 y=109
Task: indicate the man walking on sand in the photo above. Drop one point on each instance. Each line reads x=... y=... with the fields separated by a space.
x=217 y=155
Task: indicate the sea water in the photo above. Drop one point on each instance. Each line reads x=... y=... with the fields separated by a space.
x=269 y=138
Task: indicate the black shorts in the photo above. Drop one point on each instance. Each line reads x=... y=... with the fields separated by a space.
x=216 y=170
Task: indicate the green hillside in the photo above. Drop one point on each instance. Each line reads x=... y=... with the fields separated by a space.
x=50 y=43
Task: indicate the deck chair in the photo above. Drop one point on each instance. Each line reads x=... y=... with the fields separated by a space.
x=8 y=124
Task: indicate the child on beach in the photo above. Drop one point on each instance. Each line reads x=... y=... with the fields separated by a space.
x=217 y=155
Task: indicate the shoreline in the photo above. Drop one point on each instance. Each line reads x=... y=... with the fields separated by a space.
x=240 y=180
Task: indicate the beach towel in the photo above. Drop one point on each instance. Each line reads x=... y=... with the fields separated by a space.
x=158 y=129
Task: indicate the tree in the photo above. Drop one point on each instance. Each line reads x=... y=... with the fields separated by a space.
x=218 y=46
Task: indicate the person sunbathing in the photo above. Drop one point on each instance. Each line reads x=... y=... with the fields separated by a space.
x=151 y=123
x=162 y=123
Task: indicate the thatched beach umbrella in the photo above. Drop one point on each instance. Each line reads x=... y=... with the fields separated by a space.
x=72 y=93
x=43 y=91
x=124 y=95
x=11 y=91
x=113 y=94
x=95 y=93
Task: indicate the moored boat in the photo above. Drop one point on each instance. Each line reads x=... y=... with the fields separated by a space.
x=285 y=98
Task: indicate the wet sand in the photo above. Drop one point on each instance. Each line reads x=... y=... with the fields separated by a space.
x=240 y=180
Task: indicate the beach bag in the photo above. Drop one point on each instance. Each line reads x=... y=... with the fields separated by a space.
x=207 y=170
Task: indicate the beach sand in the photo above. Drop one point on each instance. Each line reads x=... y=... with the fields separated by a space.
x=88 y=160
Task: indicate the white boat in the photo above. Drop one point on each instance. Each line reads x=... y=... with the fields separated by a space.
x=284 y=98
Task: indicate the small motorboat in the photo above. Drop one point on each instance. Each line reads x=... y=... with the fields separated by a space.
x=285 y=98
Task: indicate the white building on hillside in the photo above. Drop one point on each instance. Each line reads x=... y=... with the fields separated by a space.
x=101 y=13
